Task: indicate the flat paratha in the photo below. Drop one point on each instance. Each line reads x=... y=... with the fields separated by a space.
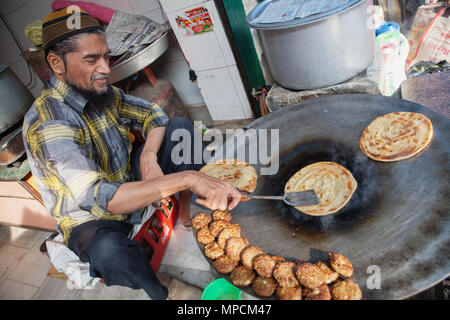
x=333 y=184
x=239 y=173
x=396 y=136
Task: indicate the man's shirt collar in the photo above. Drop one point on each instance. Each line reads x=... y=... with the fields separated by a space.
x=70 y=96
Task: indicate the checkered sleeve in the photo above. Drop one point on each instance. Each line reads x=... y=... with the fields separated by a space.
x=67 y=168
x=144 y=115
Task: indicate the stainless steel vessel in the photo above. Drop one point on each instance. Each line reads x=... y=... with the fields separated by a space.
x=15 y=99
x=319 y=50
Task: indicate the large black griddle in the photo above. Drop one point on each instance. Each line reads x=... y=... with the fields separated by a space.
x=397 y=221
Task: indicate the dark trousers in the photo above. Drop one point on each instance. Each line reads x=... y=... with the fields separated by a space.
x=105 y=244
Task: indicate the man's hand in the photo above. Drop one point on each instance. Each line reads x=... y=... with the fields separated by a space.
x=214 y=193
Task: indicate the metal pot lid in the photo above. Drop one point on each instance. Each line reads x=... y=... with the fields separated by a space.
x=398 y=220
x=259 y=9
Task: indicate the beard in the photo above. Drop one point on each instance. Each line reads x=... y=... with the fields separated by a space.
x=100 y=100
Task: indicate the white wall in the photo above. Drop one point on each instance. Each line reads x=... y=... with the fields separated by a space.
x=210 y=55
x=170 y=66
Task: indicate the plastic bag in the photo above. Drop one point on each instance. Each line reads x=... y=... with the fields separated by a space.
x=33 y=32
x=430 y=34
x=394 y=47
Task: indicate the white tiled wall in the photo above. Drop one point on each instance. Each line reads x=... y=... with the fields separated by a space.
x=210 y=55
x=170 y=66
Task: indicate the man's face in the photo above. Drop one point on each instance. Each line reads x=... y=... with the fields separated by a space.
x=88 y=67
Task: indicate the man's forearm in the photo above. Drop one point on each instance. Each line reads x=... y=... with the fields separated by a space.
x=154 y=140
x=149 y=167
x=137 y=194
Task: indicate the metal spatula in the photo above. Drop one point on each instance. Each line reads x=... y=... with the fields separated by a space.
x=302 y=198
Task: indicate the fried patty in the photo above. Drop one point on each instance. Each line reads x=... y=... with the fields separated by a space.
x=213 y=251
x=205 y=236
x=242 y=276
x=283 y=273
x=201 y=219
x=217 y=225
x=223 y=264
x=340 y=264
x=222 y=215
x=330 y=275
x=234 y=247
x=299 y=262
x=346 y=290
x=310 y=275
x=264 y=286
x=278 y=258
x=248 y=254
x=289 y=293
x=233 y=230
x=264 y=265
x=320 y=293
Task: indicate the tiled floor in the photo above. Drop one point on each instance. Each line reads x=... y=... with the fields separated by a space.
x=23 y=272
x=23 y=268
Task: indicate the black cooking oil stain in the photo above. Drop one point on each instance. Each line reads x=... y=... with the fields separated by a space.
x=355 y=212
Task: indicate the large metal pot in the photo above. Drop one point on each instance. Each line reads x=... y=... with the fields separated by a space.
x=319 y=50
x=15 y=99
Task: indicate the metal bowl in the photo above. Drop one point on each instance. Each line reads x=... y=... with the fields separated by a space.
x=140 y=60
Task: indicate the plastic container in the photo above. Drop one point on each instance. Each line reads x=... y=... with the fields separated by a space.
x=221 y=289
x=387 y=27
x=155 y=233
x=394 y=47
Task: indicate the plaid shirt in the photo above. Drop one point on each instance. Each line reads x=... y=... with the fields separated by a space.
x=80 y=155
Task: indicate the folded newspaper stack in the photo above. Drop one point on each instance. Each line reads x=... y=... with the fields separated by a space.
x=128 y=33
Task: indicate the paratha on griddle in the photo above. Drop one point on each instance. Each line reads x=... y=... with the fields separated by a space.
x=396 y=136
x=239 y=173
x=333 y=184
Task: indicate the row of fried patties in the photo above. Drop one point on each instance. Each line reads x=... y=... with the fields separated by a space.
x=268 y=274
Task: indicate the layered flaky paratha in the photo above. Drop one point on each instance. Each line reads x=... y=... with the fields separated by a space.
x=333 y=184
x=239 y=173
x=396 y=136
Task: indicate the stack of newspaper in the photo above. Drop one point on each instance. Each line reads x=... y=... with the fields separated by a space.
x=127 y=34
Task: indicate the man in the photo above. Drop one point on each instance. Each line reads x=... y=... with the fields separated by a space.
x=77 y=140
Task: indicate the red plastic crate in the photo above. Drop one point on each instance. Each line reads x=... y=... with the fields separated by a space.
x=155 y=233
